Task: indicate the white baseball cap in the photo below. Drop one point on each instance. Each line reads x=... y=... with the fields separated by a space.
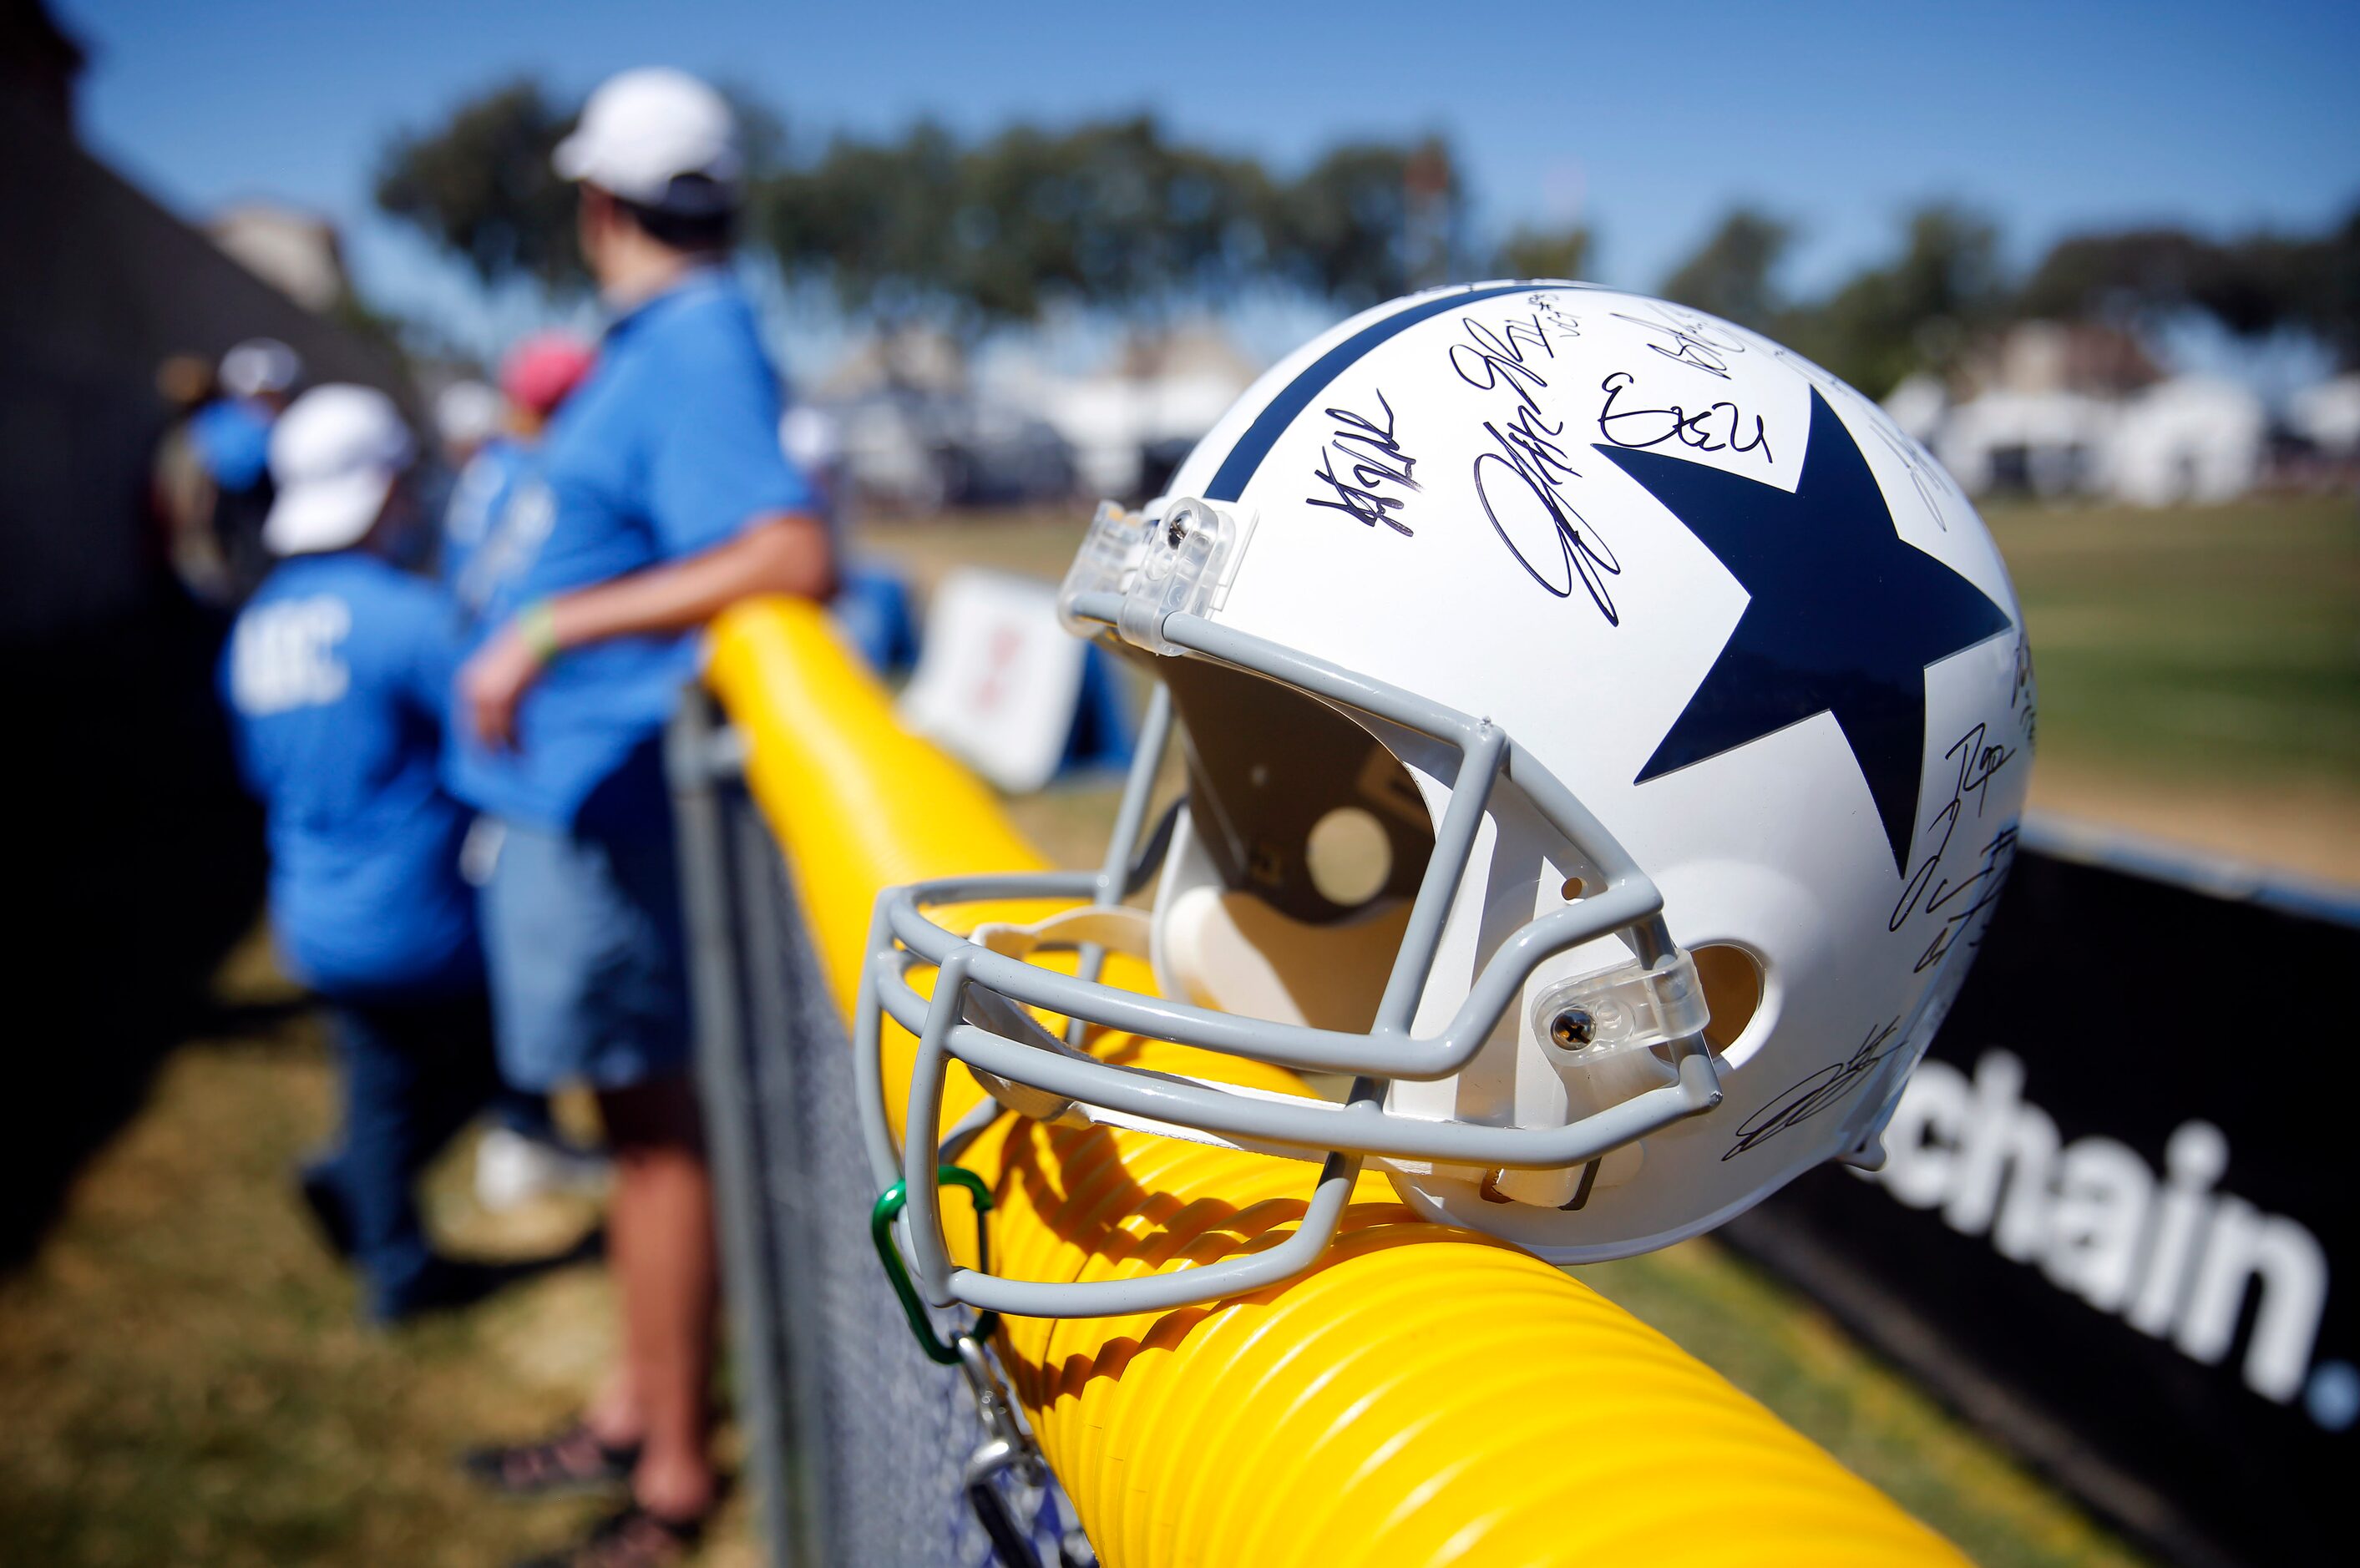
x=259 y=365
x=658 y=137
x=468 y=413
x=335 y=455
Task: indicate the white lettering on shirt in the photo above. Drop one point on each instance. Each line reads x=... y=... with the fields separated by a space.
x=288 y=654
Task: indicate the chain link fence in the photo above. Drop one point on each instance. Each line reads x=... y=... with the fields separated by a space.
x=855 y=1441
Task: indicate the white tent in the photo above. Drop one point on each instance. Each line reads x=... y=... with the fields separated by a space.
x=1159 y=392
x=2190 y=439
x=2047 y=443
x=2328 y=416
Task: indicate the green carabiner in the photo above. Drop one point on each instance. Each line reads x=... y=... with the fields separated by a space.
x=882 y=1217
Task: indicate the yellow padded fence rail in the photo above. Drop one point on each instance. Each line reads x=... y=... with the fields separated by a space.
x=1425 y=1396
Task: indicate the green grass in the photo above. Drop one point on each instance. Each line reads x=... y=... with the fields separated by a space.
x=183 y=1378
x=2219 y=643
x=1036 y=543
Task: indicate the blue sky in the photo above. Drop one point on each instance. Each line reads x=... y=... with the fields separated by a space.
x=1646 y=120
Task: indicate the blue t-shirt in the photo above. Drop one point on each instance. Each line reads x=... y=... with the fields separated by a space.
x=670 y=448
x=337 y=678
x=482 y=490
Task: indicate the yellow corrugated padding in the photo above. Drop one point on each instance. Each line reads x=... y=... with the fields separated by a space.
x=1424 y=1397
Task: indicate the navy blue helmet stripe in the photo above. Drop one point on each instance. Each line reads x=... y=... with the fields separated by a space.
x=1230 y=483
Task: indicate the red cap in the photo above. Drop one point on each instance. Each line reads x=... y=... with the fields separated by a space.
x=540 y=371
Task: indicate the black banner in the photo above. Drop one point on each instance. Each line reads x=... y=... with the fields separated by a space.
x=2117 y=1200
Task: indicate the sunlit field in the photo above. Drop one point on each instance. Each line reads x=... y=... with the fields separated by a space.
x=2218 y=642
x=2222 y=644
x=2199 y=667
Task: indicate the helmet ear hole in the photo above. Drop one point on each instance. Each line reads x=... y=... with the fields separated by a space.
x=1731 y=977
x=1293 y=800
x=1349 y=856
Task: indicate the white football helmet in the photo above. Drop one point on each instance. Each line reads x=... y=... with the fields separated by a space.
x=1605 y=735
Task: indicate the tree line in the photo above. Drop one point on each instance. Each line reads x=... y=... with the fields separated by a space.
x=1112 y=214
x=1121 y=216
x=1944 y=288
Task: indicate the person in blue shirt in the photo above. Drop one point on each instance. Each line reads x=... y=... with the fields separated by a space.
x=536 y=378
x=522 y=1153
x=336 y=678
x=661 y=497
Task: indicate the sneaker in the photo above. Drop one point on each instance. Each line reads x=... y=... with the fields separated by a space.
x=513 y=1170
x=323 y=1200
x=563 y=1464
x=630 y=1538
x=447 y=1285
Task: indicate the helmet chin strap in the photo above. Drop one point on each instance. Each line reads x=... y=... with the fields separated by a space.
x=1117 y=929
x=1114 y=928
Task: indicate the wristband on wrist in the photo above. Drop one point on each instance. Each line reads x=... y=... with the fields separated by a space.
x=537 y=625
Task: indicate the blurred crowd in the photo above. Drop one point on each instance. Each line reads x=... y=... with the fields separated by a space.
x=448 y=677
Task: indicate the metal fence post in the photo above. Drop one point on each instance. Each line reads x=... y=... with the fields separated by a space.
x=701 y=763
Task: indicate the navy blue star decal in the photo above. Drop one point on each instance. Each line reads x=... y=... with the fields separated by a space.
x=1843 y=617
